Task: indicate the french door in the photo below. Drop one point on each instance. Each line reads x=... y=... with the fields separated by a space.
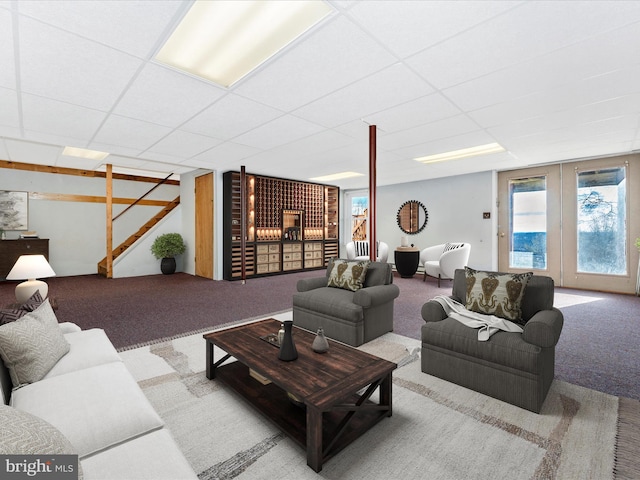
x=572 y=222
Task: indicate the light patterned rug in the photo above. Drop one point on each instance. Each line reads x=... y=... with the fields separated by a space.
x=438 y=430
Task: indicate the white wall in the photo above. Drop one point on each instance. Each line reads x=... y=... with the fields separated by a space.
x=455 y=206
x=77 y=230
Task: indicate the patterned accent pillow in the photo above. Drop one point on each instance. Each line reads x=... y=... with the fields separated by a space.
x=26 y=434
x=32 y=345
x=348 y=274
x=13 y=312
x=498 y=294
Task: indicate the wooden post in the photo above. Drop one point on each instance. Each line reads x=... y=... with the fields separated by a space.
x=372 y=193
x=243 y=223
x=109 y=203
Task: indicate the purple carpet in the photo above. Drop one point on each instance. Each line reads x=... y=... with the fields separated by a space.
x=599 y=346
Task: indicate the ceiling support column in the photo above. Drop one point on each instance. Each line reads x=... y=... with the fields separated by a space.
x=373 y=251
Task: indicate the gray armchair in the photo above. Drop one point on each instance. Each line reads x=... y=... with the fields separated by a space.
x=350 y=317
x=517 y=368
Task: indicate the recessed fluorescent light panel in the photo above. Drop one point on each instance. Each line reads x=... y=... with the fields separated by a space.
x=336 y=176
x=84 y=153
x=224 y=40
x=463 y=153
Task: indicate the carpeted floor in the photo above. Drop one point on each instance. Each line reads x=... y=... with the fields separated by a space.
x=598 y=348
x=438 y=430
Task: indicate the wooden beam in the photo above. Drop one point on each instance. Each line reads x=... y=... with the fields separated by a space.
x=373 y=251
x=109 y=213
x=65 y=197
x=32 y=167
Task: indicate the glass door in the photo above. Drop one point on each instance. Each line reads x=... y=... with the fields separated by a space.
x=597 y=225
x=528 y=230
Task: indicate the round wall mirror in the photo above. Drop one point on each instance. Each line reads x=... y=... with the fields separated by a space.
x=412 y=217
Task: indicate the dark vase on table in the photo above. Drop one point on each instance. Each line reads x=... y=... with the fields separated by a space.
x=168 y=265
x=288 y=350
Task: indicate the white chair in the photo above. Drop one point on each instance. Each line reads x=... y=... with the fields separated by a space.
x=359 y=250
x=441 y=261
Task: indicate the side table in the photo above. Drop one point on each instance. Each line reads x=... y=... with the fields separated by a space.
x=407 y=259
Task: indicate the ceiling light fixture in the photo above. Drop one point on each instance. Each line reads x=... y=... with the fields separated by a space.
x=84 y=153
x=336 y=176
x=462 y=153
x=224 y=40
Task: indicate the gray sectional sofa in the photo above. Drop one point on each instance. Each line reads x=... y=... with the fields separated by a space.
x=87 y=403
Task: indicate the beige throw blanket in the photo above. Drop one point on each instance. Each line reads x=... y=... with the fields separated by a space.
x=487 y=324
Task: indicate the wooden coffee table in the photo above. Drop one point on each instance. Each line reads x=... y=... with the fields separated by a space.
x=335 y=387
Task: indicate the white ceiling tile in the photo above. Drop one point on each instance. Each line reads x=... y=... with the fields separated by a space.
x=133 y=27
x=29 y=152
x=64 y=67
x=414 y=112
x=227 y=152
x=407 y=26
x=59 y=118
x=278 y=132
x=148 y=97
x=130 y=133
x=431 y=131
x=125 y=152
x=230 y=116
x=184 y=144
x=386 y=89
x=309 y=70
x=442 y=145
x=520 y=34
x=9 y=107
x=7 y=59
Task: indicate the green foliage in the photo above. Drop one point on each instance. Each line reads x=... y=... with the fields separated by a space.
x=638 y=243
x=168 y=245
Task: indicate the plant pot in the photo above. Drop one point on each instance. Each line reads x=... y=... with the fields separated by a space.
x=168 y=265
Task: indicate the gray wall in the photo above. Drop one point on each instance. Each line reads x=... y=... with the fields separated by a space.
x=455 y=206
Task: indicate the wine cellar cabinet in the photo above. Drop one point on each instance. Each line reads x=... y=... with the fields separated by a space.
x=288 y=225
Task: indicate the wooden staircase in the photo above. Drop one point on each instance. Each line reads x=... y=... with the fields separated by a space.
x=359 y=227
x=120 y=249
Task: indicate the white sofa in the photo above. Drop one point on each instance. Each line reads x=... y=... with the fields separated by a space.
x=89 y=397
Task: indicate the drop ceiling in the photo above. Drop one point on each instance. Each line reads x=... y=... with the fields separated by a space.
x=549 y=81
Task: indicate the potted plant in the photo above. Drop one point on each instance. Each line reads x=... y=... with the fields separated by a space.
x=166 y=247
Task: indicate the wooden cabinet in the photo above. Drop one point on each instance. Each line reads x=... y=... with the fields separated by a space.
x=10 y=251
x=297 y=218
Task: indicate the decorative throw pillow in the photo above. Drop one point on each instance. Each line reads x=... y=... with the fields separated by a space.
x=498 y=294
x=26 y=434
x=347 y=274
x=32 y=345
x=13 y=312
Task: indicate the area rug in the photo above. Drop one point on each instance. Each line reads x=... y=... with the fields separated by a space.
x=438 y=430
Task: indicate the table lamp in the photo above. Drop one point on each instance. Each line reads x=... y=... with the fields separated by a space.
x=30 y=267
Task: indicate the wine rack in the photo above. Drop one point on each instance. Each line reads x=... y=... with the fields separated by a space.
x=297 y=218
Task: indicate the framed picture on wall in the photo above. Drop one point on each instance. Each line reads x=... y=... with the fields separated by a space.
x=14 y=210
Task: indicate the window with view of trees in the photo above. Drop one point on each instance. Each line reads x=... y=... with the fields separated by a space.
x=602 y=221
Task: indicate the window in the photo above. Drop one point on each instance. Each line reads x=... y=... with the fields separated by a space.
x=528 y=223
x=602 y=233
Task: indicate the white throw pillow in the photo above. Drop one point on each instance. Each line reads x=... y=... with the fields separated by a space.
x=32 y=345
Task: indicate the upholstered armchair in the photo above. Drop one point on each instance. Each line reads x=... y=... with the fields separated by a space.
x=515 y=367
x=441 y=261
x=350 y=316
x=359 y=250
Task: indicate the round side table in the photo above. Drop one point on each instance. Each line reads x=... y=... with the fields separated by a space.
x=407 y=259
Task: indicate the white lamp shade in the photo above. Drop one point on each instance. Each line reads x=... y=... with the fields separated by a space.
x=31 y=267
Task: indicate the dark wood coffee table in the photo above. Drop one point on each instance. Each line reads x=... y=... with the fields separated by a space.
x=335 y=411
